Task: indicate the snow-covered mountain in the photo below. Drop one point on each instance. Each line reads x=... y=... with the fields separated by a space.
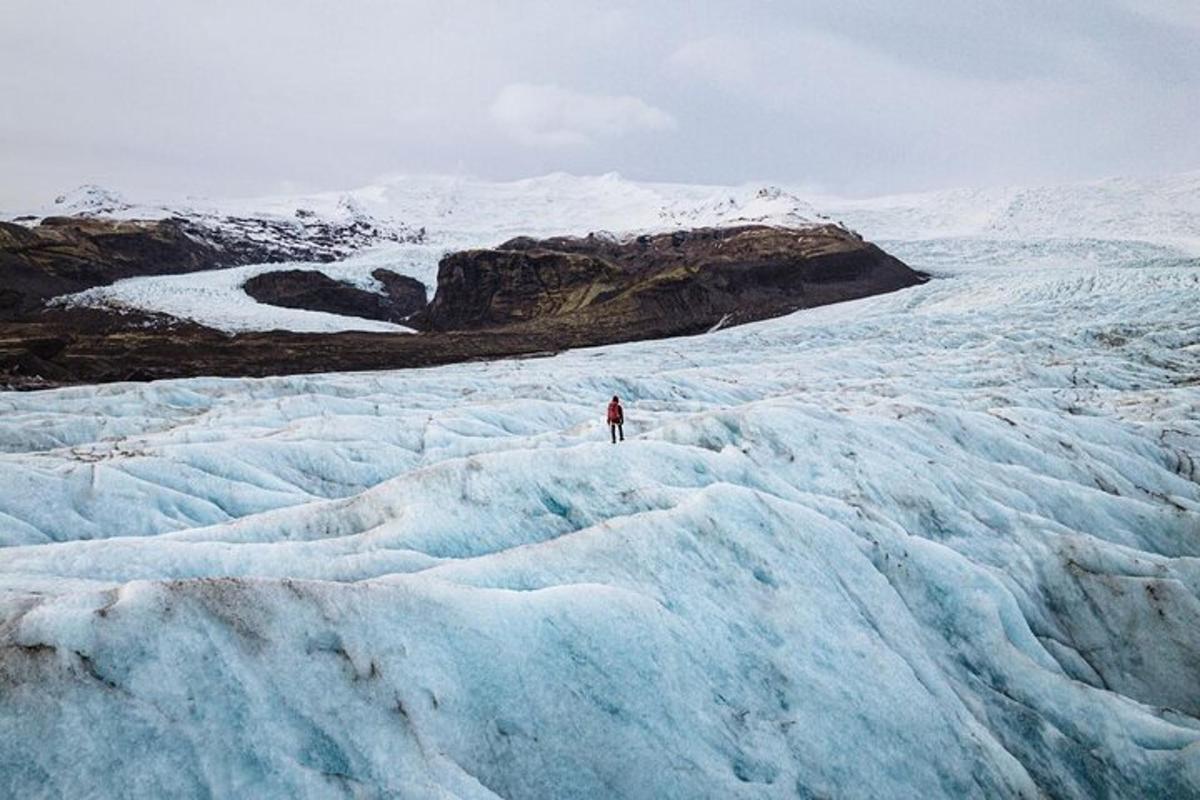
x=451 y=208
x=280 y=229
x=938 y=543
x=90 y=200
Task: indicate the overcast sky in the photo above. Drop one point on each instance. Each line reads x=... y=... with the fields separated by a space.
x=214 y=97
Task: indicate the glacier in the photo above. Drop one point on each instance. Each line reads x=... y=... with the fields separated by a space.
x=937 y=543
x=460 y=213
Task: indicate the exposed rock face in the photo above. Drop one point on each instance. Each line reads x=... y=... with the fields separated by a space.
x=665 y=284
x=68 y=254
x=316 y=291
x=490 y=288
x=307 y=237
x=406 y=295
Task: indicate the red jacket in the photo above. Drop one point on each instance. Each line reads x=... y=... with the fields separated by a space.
x=616 y=414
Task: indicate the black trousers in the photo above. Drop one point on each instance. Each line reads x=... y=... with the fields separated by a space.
x=617 y=427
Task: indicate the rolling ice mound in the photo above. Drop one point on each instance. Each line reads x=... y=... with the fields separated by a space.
x=941 y=543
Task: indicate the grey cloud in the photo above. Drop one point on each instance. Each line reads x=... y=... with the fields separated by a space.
x=221 y=97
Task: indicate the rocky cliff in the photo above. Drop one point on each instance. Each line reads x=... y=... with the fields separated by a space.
x=664 y=284
x=402 y=296
x=68 y=254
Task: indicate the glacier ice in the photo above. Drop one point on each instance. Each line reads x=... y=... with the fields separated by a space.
x=938 y=543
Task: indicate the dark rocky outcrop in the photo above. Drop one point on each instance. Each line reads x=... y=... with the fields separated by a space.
x=69 y=254
x=73 y=345
x=660 y=285
x=406 y=295
x=316 y=291
x=526 y=297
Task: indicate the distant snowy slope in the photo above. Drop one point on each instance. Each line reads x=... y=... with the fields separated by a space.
x=938 y=543
x=1165 y=209
x=452 y=209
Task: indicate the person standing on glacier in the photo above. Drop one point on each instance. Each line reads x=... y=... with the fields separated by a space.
x=616 y=419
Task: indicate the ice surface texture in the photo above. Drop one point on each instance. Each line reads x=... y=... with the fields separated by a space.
x=938 y=543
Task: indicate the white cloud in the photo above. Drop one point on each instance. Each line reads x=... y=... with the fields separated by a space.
x=544 y=114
